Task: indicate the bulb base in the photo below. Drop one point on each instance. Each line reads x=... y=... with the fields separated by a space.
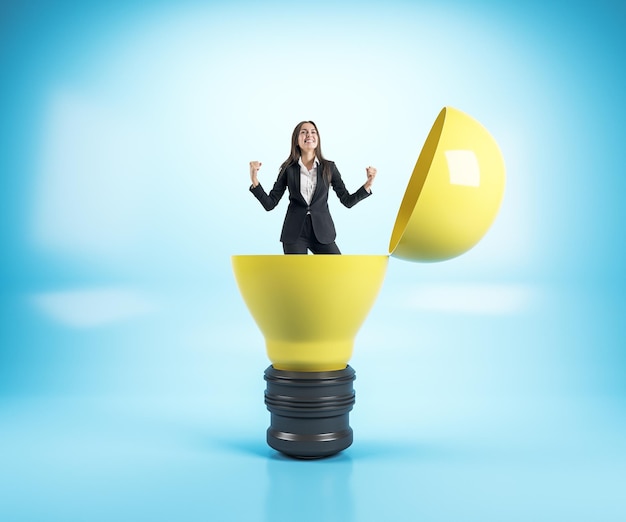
x=309 y=411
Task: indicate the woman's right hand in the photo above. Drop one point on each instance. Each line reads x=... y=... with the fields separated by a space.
x=254 y=168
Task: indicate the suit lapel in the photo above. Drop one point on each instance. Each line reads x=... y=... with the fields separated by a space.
x=295 y=172
x=320 y=187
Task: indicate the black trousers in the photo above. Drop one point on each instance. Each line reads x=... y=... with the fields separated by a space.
x=308 y=241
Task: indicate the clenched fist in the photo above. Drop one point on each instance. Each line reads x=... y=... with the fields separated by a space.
x=371 y=174
x=254 y=168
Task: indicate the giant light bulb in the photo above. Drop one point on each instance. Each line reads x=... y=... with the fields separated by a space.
x=310 y=308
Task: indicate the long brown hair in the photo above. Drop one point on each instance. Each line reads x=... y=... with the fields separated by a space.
x=295 y=153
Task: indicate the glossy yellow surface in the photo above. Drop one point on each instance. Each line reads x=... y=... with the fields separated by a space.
x=454 y=193
x=309 y=308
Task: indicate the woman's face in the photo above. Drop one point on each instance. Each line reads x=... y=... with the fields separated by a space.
x=307 y=137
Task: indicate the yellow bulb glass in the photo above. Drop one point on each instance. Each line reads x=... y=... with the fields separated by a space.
x=454 y=193
x=309 y=308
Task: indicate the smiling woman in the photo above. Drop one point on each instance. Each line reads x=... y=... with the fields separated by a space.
x=307 y=174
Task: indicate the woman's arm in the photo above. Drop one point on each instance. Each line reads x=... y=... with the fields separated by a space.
x=347 y=199
x=269 y=201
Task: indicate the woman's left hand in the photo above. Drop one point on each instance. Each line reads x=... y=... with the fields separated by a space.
x=371 y=174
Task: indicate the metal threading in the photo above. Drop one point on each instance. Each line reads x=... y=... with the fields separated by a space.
x=309 y=411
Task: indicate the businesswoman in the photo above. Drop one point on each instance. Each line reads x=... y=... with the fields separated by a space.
x=308 y=175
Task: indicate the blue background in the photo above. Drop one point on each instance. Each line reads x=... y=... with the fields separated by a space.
x=489 y=387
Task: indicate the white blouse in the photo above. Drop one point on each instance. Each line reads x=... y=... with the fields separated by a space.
x=308 y=180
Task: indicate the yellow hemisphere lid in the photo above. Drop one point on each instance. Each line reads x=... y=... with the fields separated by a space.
x=454 y=193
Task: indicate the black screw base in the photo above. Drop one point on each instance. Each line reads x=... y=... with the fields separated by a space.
x=309 y=411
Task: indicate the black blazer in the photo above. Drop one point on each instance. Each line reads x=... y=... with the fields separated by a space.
x=322 y=222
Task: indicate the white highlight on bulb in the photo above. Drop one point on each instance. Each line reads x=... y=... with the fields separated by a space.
x=463 y=167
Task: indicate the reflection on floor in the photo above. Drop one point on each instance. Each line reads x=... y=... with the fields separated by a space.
x=160 y=416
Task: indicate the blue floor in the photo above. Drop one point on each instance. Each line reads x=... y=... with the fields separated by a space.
x=161 y=417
